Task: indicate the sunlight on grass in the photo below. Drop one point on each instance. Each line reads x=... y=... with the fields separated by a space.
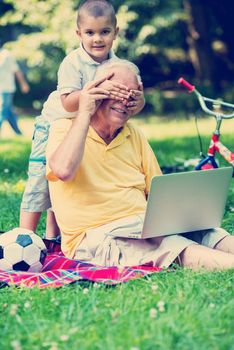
x=6 y=147
x=153 y=127
x=17 y=187
x=161 y=129
x=25 y=124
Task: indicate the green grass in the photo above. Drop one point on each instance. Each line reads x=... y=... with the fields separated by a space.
x=199 y=306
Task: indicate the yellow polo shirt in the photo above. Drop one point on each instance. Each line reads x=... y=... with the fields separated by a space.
x=110 y=184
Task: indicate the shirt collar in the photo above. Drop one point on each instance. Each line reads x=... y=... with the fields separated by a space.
x=88 y=59
x=118 y=140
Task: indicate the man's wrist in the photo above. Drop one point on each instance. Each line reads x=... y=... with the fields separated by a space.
x=82 y=119
x=86 y=115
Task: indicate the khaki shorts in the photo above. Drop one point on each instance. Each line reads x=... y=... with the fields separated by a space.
x=36 y=196
x=99 y=248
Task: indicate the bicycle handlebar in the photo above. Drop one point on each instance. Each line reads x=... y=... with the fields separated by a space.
x=186 y=84
x=203 y=99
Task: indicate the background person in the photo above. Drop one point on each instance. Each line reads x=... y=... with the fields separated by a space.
x=9 y=70
x=96 y=29
x=100 y=169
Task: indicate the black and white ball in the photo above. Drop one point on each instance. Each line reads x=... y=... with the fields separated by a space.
x=21 y=250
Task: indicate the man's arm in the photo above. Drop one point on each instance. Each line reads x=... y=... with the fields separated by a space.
x=24 y=87
x=65 y=161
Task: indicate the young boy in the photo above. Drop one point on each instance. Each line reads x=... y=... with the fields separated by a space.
x=97 y=29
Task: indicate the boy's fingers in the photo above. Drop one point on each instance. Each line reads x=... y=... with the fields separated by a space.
x=101 y=97
x=114 y=97
x=135 y=93
x=99 y=81
x=95 y=83
x=120 y=94
x=132 y=107
x=131 y=104
x=120 y=89
x=119 y=85
x=96 y=90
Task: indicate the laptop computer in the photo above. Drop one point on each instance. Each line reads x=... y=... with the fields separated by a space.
x=181 y=202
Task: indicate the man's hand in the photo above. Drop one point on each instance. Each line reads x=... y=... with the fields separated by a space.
x=136 y=100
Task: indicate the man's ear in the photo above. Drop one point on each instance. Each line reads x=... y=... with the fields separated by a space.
x=140 y=86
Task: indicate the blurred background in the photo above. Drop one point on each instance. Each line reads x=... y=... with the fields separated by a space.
x=165 y=38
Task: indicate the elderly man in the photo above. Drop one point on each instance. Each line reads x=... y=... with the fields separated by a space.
x=99 y=168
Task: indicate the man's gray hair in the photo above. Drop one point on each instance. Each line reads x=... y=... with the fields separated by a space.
x=116 y=63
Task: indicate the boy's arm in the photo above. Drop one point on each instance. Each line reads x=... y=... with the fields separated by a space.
x=70 y=82
x=70 y=101
x=117 y=91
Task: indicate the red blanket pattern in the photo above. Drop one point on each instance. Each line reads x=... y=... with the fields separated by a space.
x=59 y=271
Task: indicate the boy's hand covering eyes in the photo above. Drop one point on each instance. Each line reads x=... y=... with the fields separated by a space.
x=136 y=100
x=117 y=90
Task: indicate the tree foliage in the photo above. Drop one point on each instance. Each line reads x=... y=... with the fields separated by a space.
x=165 y=38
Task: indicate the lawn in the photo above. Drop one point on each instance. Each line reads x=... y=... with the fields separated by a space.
x=176 y=310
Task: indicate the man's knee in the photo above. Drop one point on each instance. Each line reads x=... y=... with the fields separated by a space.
x=226 y=244
x=197 y=256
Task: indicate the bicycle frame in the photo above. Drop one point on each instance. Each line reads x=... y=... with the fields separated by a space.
x=209 y=161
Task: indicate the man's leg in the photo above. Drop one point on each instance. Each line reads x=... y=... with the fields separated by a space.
x=226 y=244
x=197 y=256
x=217 y=238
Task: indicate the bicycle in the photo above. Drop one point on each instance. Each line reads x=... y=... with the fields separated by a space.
x=209 y=161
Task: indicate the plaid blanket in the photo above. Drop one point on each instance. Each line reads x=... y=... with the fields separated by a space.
x=59 y=271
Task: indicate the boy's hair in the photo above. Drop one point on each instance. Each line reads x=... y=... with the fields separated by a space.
x=96 y=8
x=115 y=63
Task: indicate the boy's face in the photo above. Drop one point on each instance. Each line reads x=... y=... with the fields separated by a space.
x=97 y=36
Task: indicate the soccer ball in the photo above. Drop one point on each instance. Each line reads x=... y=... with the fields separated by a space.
x=21 y=250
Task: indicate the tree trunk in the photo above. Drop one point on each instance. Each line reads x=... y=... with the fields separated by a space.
x=223 y=11
x=199 y=40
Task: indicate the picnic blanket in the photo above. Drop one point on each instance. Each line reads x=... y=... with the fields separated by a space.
x=59 y=271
